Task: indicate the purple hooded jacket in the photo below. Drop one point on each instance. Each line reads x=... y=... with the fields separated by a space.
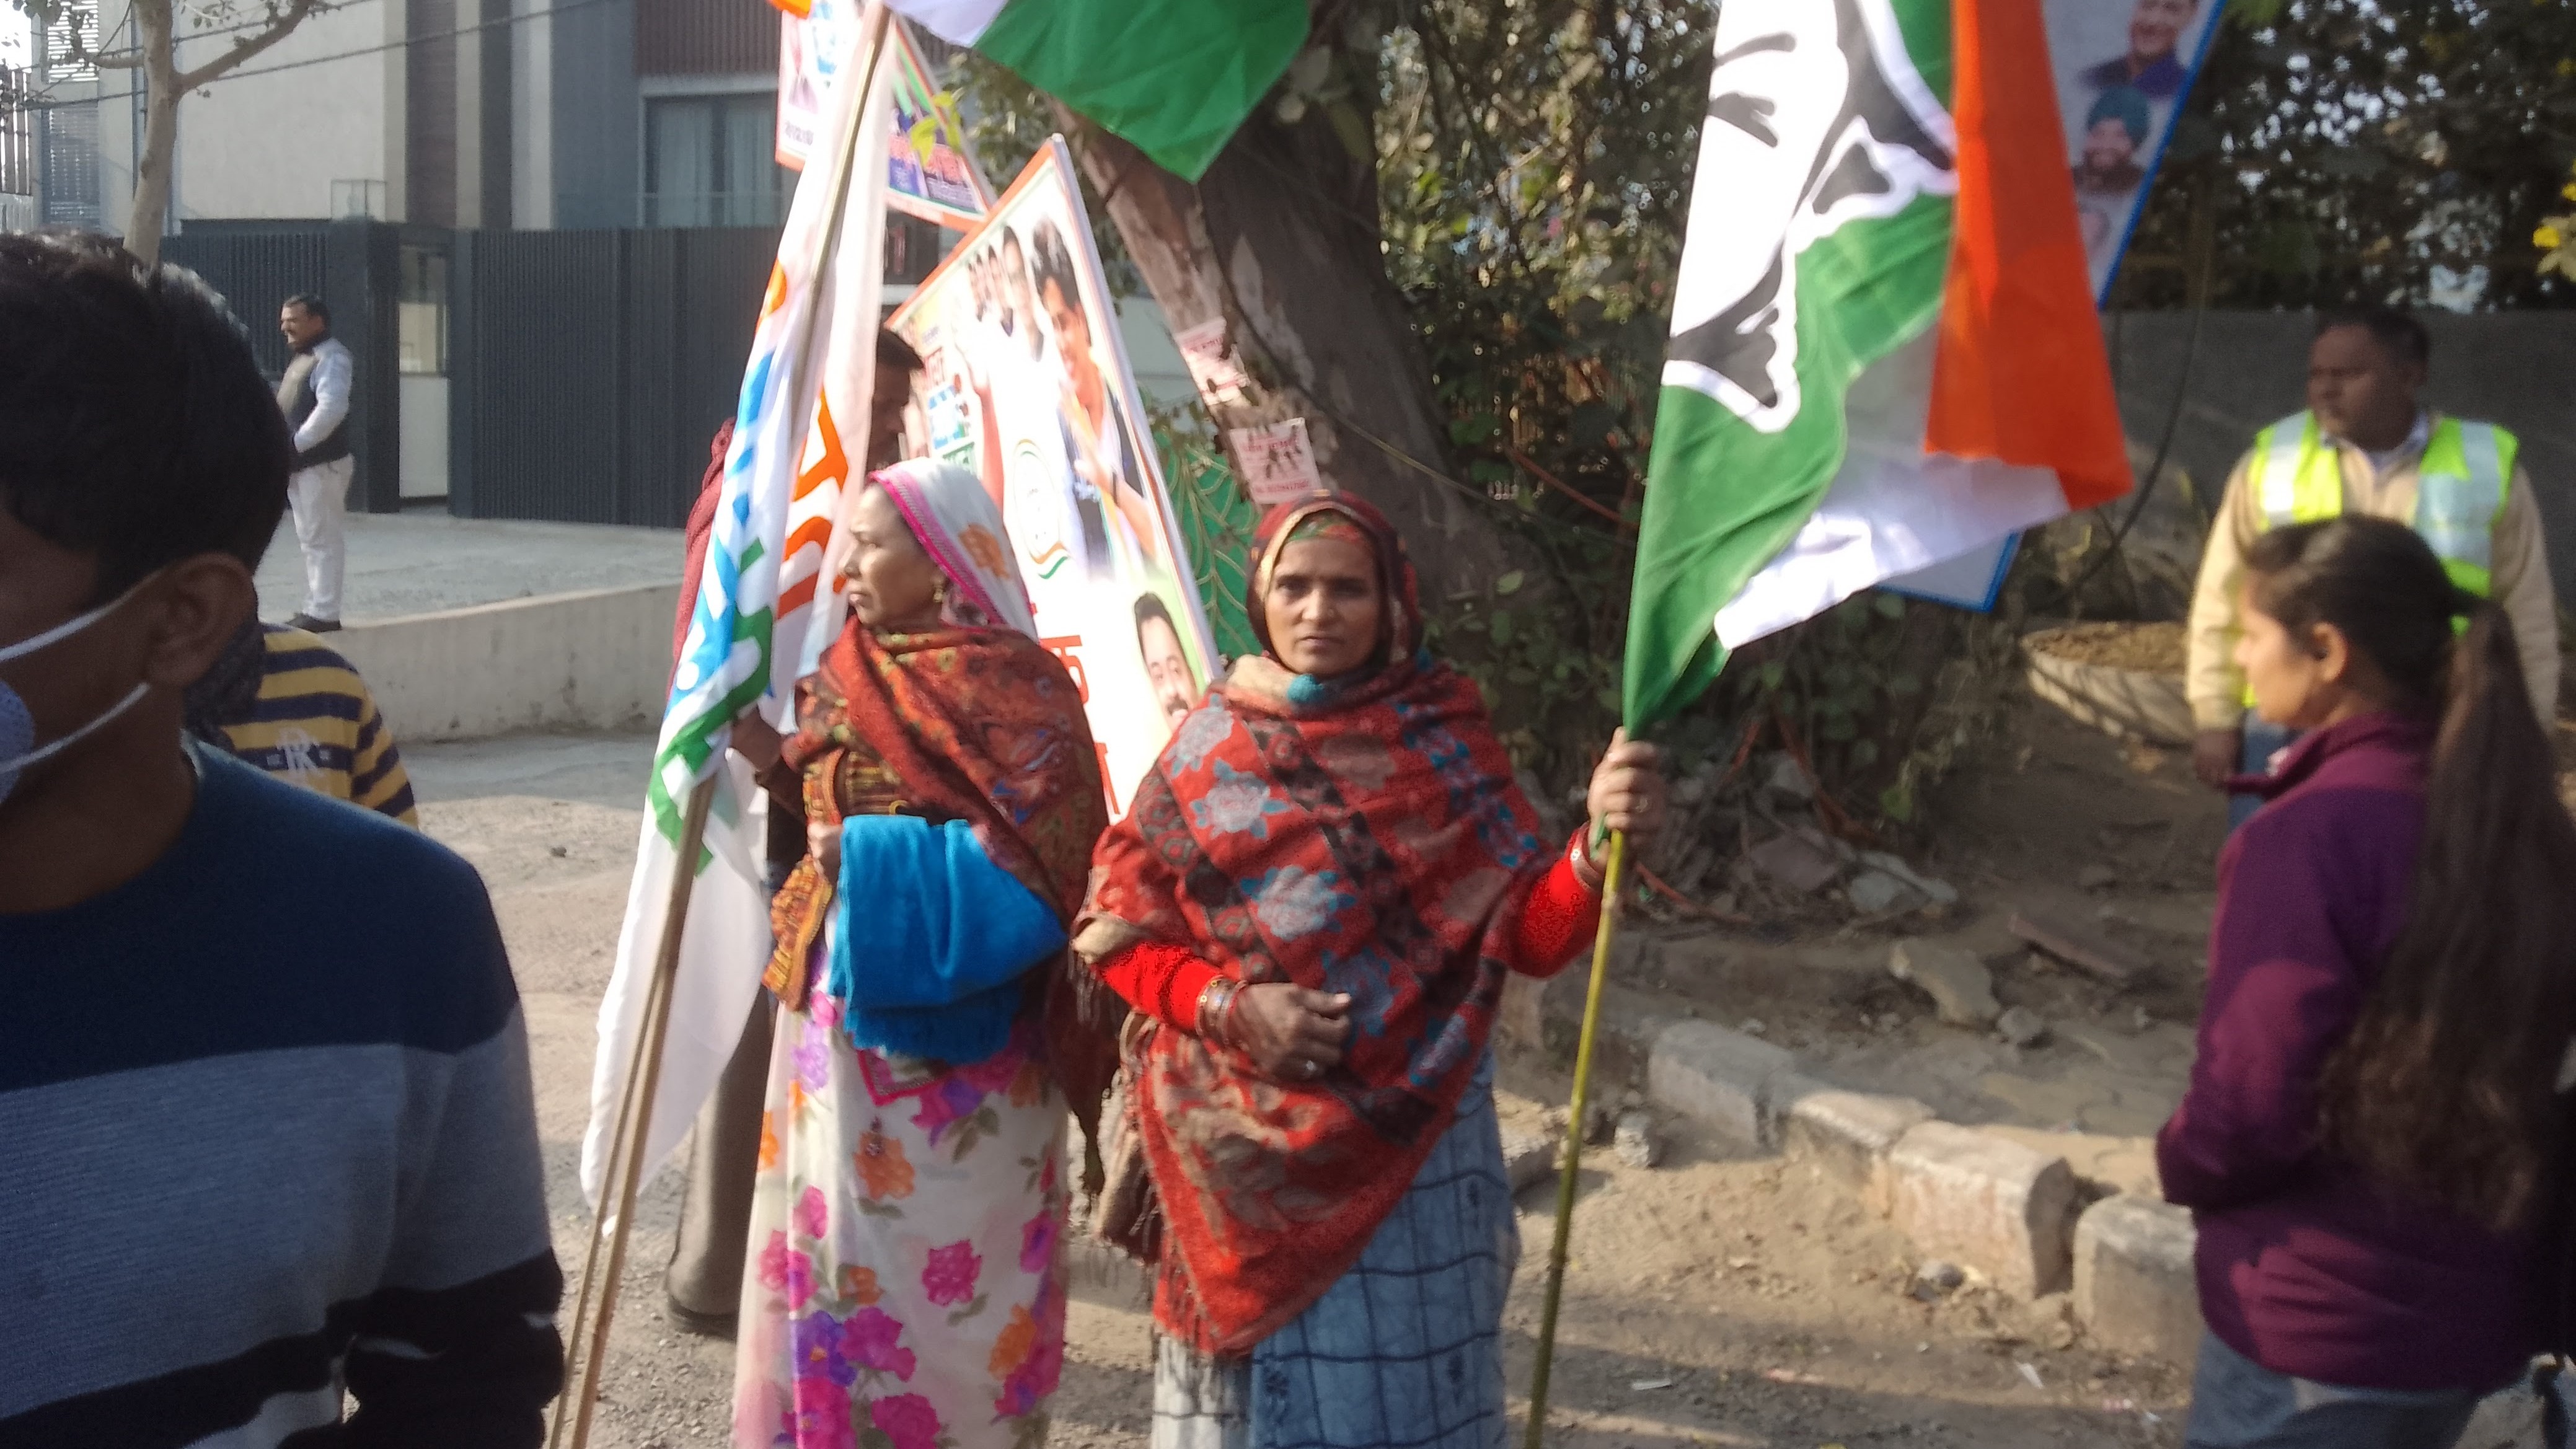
x=2307 y=1265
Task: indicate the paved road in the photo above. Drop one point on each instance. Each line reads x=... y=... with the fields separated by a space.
x=1713 y=1301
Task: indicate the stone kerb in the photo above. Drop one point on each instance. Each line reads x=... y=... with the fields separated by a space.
x=1985 y=1203
x=2134 y=1286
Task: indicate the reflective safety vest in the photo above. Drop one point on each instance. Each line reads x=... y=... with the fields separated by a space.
x=2296 y=476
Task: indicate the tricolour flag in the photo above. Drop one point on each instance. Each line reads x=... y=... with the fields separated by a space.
x=1172 y=77
x=1884 y=353
x=762 y=619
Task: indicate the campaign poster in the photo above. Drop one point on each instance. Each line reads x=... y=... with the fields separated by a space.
x=813 y=49
x=1027 y=383
x=2123 y=68
x=929 y=173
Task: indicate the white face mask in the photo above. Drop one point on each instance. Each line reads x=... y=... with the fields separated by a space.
x=18 y=748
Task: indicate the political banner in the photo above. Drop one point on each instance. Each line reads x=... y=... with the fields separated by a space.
x=814 y=46
x=1027 y=383
x=2124 y=68
x=929 y=172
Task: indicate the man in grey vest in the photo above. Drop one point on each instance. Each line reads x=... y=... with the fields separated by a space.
x=315 y=396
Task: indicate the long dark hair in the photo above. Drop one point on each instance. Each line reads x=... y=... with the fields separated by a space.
x=2448 y=1082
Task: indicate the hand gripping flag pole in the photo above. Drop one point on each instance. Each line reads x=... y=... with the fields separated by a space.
x=1613 y=882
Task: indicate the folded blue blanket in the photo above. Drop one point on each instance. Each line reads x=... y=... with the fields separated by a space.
x=932 y=940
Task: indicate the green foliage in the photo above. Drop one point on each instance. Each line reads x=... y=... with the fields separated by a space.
x=1217 y=519
x=2556 y=237
x=2400 y=151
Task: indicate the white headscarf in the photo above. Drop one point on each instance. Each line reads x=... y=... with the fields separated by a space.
x=960 y=526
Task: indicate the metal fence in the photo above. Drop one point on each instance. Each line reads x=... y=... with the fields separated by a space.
x=592 y=367
x=353 y=267
x=256 y=272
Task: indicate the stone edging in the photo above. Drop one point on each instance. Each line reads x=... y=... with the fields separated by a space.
x=1974 y=1198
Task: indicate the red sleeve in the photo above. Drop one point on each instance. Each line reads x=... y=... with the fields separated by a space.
x=701 y=527
x=1562 y=914
x=1160 y=979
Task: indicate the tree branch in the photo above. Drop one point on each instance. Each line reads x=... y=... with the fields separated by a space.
x=81 y=52
x=280 y=25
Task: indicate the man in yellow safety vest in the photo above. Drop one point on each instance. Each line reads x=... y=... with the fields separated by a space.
x=2366 y=444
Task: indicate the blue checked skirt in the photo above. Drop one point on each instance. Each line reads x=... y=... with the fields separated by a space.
x=1404 y=1352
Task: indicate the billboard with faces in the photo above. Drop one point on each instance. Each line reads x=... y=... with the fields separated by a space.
x=2123 y=69
x=1026 y=383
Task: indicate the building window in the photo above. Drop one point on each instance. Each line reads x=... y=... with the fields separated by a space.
x=711 y=161
x=420 y=313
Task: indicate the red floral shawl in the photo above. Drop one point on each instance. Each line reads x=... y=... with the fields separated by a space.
x=976 y=724
x=1366 y=838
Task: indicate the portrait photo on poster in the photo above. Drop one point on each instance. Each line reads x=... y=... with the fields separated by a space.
x=2124 y=68
x=1027 y=384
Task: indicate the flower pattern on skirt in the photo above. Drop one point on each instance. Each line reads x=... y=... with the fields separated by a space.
x=906 y=1290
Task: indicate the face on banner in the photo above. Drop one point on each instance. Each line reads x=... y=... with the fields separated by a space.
x=2122 y=68
x=1027 y=384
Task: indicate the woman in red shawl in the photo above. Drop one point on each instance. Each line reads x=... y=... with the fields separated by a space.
x=905 y=1286
x=1313 y=907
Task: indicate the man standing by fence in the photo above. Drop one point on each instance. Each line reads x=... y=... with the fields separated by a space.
x=315 y=396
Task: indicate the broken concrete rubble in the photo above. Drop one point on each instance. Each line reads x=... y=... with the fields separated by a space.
x=2079 y=946
x=1798 y=859
x=1958 y=983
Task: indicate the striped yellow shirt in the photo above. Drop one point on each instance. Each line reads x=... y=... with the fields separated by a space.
x=316 y=726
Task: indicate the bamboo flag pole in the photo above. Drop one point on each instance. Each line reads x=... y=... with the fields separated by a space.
x=1613 y=881
x=586 y=1347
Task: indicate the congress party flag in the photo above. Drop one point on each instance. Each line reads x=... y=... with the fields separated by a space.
x=1172 y=77
x=762 y=617
x=1884 y=352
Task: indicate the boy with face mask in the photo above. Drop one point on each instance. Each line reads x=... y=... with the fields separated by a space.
x=264 y=1101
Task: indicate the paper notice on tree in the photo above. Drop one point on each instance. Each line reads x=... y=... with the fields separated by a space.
x=1277 y=459
x=1212 y=363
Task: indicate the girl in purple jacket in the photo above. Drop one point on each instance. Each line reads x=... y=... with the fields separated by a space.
x=2369 y=1139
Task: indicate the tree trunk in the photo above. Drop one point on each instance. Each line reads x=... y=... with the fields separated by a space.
x=151 y=208
x=1280 y=241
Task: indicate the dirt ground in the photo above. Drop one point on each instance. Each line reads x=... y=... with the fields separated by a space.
x=1711 y=1300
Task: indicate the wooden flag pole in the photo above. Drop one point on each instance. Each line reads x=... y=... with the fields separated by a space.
x=1612 y=882
x=586 y=1347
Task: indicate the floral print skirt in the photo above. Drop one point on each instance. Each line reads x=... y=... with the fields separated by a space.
x=905 y=1289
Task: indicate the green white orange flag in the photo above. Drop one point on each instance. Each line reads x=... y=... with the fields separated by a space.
x=1885 y=354
x=1172 y=77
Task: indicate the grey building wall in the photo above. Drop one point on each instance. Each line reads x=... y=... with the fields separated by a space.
x=595 y=114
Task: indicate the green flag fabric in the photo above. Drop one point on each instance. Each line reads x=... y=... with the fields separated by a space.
x=1174 y=78
x=1819 y=235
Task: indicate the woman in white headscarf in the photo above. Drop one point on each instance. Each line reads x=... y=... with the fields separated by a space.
x=905 y=1285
